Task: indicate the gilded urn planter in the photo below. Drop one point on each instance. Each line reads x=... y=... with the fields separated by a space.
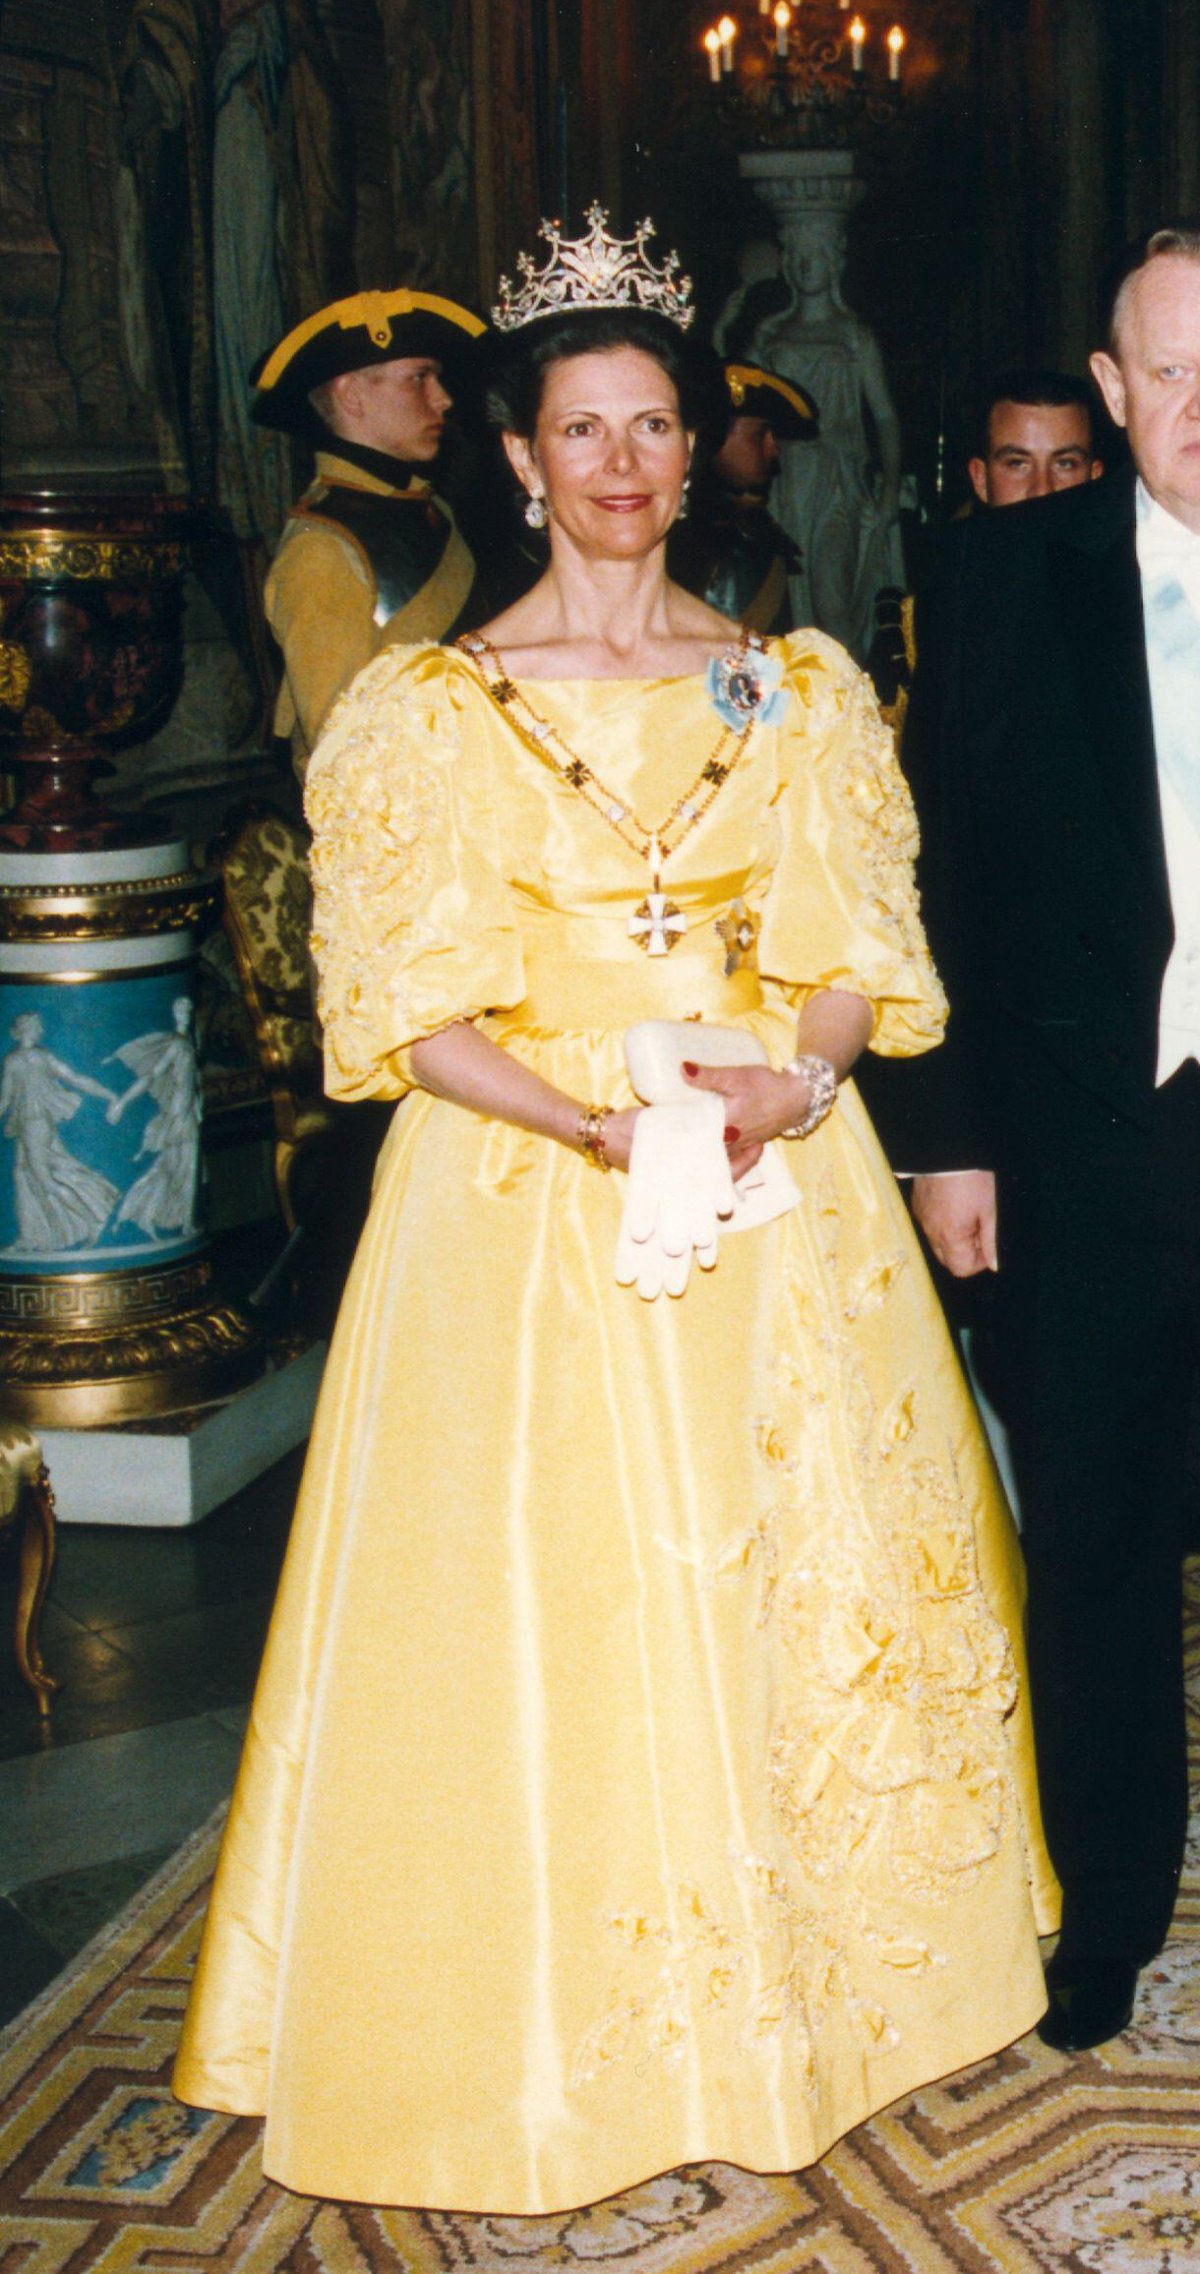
x=91 y=602
x=109 y=1311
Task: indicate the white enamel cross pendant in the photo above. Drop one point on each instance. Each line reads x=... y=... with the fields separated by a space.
x=657 y=925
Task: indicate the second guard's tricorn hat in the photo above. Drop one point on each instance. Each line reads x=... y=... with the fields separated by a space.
x=755 y=393
x=351 y=335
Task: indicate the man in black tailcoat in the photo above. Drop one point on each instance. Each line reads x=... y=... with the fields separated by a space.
x=1054 y=748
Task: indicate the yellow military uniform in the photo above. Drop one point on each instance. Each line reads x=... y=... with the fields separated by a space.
x=368 y=555
x=348 y=581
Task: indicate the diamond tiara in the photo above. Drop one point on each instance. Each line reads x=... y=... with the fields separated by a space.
x=596 y=271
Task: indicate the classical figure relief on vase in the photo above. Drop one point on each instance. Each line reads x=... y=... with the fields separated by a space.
x=163 y=1199
x=60 y=1202
x=129 y=1181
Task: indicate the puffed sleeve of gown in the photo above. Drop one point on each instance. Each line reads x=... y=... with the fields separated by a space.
x=414 y=925
x=842 y=909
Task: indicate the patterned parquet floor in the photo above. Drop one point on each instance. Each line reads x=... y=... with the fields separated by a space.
x=1025 y=2163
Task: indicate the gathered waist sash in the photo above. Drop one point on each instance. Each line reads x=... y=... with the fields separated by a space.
x=574 y=996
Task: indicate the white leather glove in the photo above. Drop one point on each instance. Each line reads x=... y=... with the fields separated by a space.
x=654 y=1053
x=678 y=1191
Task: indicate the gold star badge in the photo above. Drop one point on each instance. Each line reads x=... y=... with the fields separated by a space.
x=739 y=930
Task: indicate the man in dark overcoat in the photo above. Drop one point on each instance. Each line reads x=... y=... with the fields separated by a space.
x=1054 y=748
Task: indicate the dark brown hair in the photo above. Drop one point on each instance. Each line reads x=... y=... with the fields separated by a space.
x=1034 y=390
x=518 y=363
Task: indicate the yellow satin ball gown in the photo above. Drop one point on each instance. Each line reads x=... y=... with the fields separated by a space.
x=640 y=1769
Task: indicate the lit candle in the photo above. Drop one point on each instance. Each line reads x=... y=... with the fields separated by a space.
x=727 y=33
x=712 y=42
x=858 y=33
x=895 y=40
x=783 y=17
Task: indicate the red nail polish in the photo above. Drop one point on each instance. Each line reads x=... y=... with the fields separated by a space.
x=689 y=1068
x=732 y=1135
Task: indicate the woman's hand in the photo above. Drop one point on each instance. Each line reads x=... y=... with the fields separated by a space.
x=618 y=1137
x=759 y=1104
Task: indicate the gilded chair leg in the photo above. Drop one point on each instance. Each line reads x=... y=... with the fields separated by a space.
x=285 y=1160
x=35 y=1572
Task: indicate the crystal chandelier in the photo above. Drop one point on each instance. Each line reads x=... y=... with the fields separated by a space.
x=796 y=74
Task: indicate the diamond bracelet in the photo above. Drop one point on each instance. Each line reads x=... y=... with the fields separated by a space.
x=822 y=1090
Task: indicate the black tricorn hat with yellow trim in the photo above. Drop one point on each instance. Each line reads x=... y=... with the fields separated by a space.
x=351 y=335
x=754 y=393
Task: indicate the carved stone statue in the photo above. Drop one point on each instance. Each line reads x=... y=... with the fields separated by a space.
x=757 y=293
x=163 y=201
x=235 y=210
x=282 y=212
x=836 y=497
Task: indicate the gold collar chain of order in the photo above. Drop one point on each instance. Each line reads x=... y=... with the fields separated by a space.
x=654 y=845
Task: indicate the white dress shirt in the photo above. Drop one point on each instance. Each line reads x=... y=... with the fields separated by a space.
x=1168 y=550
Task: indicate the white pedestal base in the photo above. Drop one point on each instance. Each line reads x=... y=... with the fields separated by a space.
x=172 y=1473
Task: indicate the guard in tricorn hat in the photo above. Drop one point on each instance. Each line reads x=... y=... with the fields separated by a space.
x=733 y=551
x=370 y=554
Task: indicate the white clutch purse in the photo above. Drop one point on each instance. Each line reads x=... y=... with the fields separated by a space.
x=655 y=1050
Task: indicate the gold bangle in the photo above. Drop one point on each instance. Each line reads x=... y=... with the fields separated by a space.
x=589 y=1136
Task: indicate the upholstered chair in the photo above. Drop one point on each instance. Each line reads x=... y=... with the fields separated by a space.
x=263 y=858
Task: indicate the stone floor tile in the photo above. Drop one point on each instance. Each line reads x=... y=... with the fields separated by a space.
x=67 y=1909
x=27 y=1962
x=212 y=1653
x=117 y=1796
x=104 y=1691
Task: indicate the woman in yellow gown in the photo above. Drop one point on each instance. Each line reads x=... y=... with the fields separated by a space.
x=640 y=1769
